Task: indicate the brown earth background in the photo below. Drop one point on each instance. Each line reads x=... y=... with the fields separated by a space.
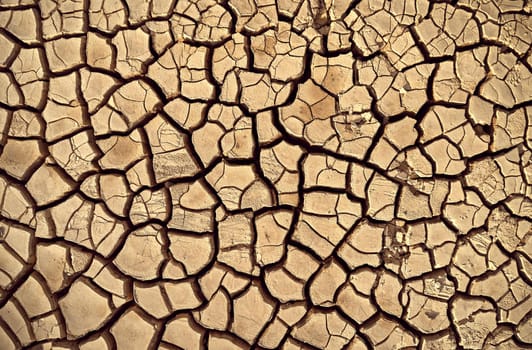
x=292 y=174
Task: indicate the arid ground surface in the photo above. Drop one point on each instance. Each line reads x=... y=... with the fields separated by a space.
x=292 y=174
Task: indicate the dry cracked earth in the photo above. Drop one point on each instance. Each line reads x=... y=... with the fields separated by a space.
x=293 y=174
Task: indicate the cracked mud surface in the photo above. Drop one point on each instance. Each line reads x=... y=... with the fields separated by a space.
x=294 y=174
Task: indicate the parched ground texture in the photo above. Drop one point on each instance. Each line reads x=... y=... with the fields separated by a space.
x=293 y=174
